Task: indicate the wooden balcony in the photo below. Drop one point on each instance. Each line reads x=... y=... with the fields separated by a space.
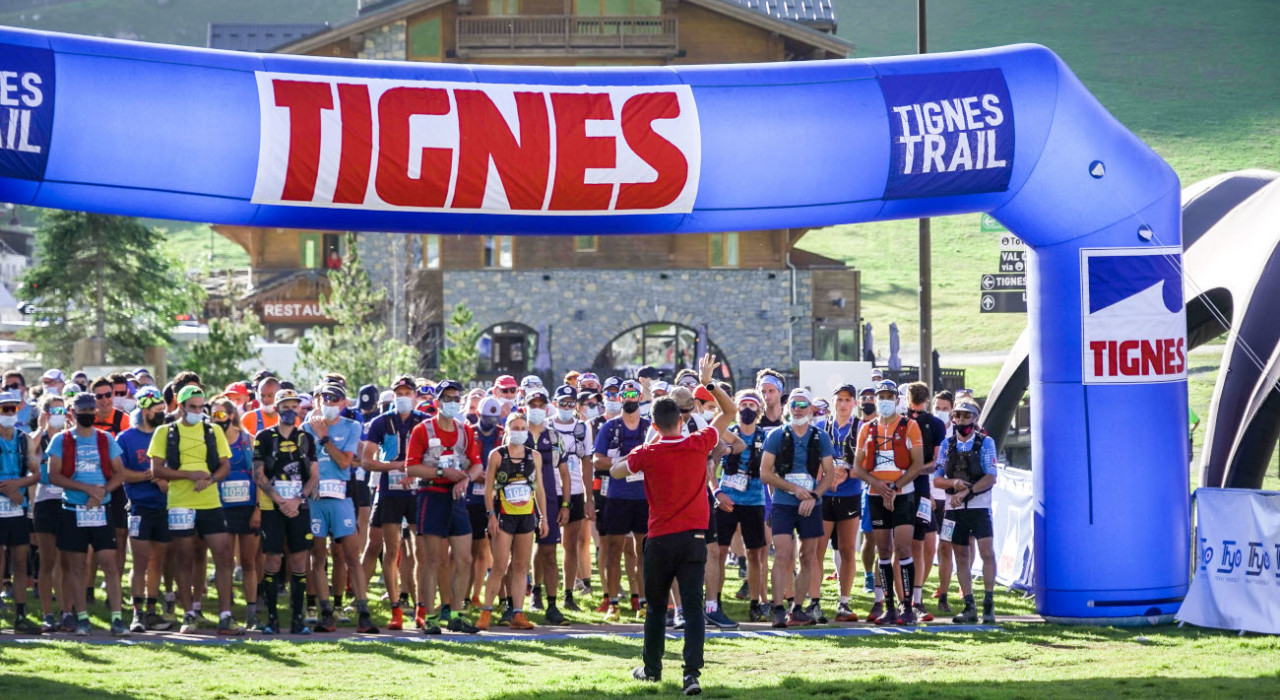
x=566 y=34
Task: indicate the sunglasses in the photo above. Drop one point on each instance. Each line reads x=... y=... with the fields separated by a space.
x=569 y=403
x=221 y=415
x=592 y=405
x=628 y=394
x=13 y=387
x=124 y=392
x=56 y=411
x=102 y=396
x=8 y=410
x=506 y=391
x=800 y=404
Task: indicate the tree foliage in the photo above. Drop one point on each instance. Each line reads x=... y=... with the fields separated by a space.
x=357 y=345
x=231 y=342
x=98 y=271
x=459 y=356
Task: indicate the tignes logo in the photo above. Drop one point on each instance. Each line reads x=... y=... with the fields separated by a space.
x=26 y=111
x=951 y=133
x=1133 y=317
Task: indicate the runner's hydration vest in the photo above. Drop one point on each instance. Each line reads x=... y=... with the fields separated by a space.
x=436 y=451
x=171 y=457
x=509 y=468
x=104 y=454
x=966 y=466
x=755 y=446
x=274 y=461
x=787 y=453
x=889 y=470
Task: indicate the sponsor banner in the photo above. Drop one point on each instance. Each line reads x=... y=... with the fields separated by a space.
x=952 y=133
x=1012 y=523
x=1236 y=580
x=26 y=111
x=400 y=145
x=1134 y=326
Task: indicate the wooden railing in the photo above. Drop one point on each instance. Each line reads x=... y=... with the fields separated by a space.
x=566 y=32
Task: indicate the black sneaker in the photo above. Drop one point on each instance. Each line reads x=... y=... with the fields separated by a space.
x=504 y=619
x=83 y=628
x=118 y=629
x=158 y=623
x=779 y=617
x=640 y=674
x=678 y=621
x=364 y=624
x=988 y=614
x=721 y=620
x=671 y=617
x=572 y=605
x=272 y=626
x=907 y=616
x=799 y=618
x=815 y=611
x=298 y=626
x=68 y=623
x=21 y=625
x=537 y=599
x=138 y=626
x=691 y=686
x=968 y=616
x=49 y=625
x=457 y=624
x=433 y=626
x=555 y=617
x=944 y=607
x=756 y=613
x=890 y=616
x=744 y=591
x=327 y=623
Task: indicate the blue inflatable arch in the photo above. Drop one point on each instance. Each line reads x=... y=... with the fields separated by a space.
x=269 y=140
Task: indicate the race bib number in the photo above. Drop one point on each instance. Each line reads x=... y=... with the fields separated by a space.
x=604 y=486
x=9 y=509
x=91 y=517
x=801 y=479
x=234 y=492
x=885 y=462
x=360 y=473
x=333 y=488
x=449 y=461
x=948 y=527
x=289 y=489
x=477 y=489
x=182 y=519
x=517 y=494
x=737 y=482
x=395 y=479
x=925 y=511
x=135 y=525
x=635 y=477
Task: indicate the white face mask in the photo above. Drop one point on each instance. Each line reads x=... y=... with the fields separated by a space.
x=564 y=415
x=590 y=413
x=450 y=409
x=269 y=408
x=193 y=417
x=331 y=412
x=613 y=406
x=799 y=420
x=404 y=404
x=8 y=421
x=57 y=422
x=517 y=437
x=886 y=407
x=944 y=416
x=708 y=416
x=506 y=401
x=537 y=416
x=124 y=403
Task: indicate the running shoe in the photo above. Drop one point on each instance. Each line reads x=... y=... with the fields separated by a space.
x=815 y=611
x=845 y=614
x=779 y=617
x=799 y=618
x=364 y=624
x=876 y=611
x=869 y=583
x=890 y=617
x=83 y=627
x=327 y=622
x=272 y=626
x=554 y=617
x=537 y=599
x=227 y=627
x=603 y=607
x=505 y=619
x=486 y=619
x=457 y=624
x=671 y=617
x=158 y=623
x=721 y=620
x=638 y=673
x=68 y=623
x=397 y=619
x=922 y=613
x=612 y=614
x=22 y=625
x=520 y=622
x=432 y=626
x=944 y=607
x=744 y=591
x=907 y=617
x=299 y=626
x=691 y=686
x=118 y=628
x=49 y=625
x=968 y=616
x=137 y=626
x=189 y=624
x=677 y=622
x=756 y=613
x=572 y=605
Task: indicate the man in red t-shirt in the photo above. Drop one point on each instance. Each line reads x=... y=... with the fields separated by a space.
x=444 y=457
x=675 y=486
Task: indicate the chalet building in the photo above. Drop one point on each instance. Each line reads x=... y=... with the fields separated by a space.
x=613 y=303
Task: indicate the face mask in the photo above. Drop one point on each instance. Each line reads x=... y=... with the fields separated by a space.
x=193 y=417
x=330 y=412
x=487 y=422
x=613 y=406
x=537 y=416
x=518 y=437
x=156 y=420
x=708 y=416
x=798 y=421
x=944 y=416
x=564 y=415
x=747 y=415
x=404 y=404
x=886 y=407
x=57 y=422
x=450 y=409
x=964 y=430
x=85 y=419
x=288 y=416
x=868 y=408
x=124 y=403
x=8 y=421
x=591 y=412
x=507 y=401
x=269 y=408
x=630 y=407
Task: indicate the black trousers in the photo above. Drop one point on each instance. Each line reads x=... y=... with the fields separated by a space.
x=680 y=557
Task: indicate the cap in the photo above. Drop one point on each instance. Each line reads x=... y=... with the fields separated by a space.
x=877 y=375
x=54 y=375
x=142 y=371
x=588 y=377
x=506 y=381
x=612 y=383
x=237 y=388
x=10 y=397
x=84 y=401
x=288 y=395
x=867 y=391
x=531 y=380
x=329 y=391
x=367 y=399
x=752 y=396
x=886 y=385
x=564 y=391
x=79 y=373
x=585 y=396
x=661 y=386
x=968 y=405
x=702 y=394
x=405 y=381
x=187 y=392
x=147 y=399
x=648 y=372
x=821 y=403
x=303 y=399
x=849 y=389
x=534 y=392
x=490 y=406
x=446 y=384
x=802 y=394
x=387 y=396
x=630 y=385
x=572 y=375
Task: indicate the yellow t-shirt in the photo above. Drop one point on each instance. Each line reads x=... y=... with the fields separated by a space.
x=191 y=458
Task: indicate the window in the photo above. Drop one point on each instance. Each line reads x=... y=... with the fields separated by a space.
x=504 y=7
x=839 y=344
x=431 y=251
x=667 y=346
x=724 y=249
x=424 y=41
x=498 y=251
x=312 y=258
x=616 y=8
x=586 y=244
x=506 y=348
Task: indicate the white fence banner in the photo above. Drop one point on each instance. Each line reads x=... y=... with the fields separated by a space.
x=1236 y=584
x=1012 y=520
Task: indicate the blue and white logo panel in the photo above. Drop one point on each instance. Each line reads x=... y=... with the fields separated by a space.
x=1134 y=322
x=26 y=111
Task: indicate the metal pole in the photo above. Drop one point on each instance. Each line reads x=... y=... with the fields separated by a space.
x=926 y=250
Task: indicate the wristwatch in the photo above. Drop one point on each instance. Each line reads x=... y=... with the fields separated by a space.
x=439 y=472
x=564 y=504
x=325 y=440
x=711 y=387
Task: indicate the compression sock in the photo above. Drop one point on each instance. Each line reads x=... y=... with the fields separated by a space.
x=151 y=605
x=137 y=605
x=568 y=596
x=362 y=606
x=337 y=601
x=20 y=609
x=908 y=569
x=942 y=599
x=297 y=593
x=251 y=609
x=311 y=601
x=988 y=603
x=879 y=590
x=271 y=593
x=968 y=601
x=886 y=581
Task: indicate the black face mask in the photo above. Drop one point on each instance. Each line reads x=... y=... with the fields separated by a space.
x=288 y=416
x=487 y=422
x=630 y=407
x=964 y=430
x=85 y=419
x=156 y=420
x=223 y=425
x=747 y=415
x=868 y=409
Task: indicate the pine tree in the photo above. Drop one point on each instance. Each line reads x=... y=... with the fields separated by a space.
x=459 y=356
x=102 y=276
x=357 y=345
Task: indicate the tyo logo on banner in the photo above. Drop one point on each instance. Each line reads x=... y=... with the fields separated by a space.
x=1134 y=322
x=26 y=111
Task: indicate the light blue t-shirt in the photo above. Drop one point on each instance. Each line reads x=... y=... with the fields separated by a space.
x=773 y=445
x=754 y=493
x=88 y=466
x=346 y=437
x=11 y=466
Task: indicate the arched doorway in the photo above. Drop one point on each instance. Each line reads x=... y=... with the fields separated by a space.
x=506 y=348
x=669 y=347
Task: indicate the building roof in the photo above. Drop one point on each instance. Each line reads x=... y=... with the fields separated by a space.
x=236 y=36
x=807 y=260
x=807 y=21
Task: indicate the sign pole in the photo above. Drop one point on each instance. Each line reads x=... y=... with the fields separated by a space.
x=926 y=250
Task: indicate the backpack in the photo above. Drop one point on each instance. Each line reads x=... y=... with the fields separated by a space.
x=171 y=458
x=509 y=467
x=615 y=432
x=729 y=463
x=271 y=459
x=966 y=466
x=104 y=454
x=787 y=453
x=898 y=442
x=23 y=449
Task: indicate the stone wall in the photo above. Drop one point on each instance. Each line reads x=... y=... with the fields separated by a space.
x=730 y=302
x=386 y=43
